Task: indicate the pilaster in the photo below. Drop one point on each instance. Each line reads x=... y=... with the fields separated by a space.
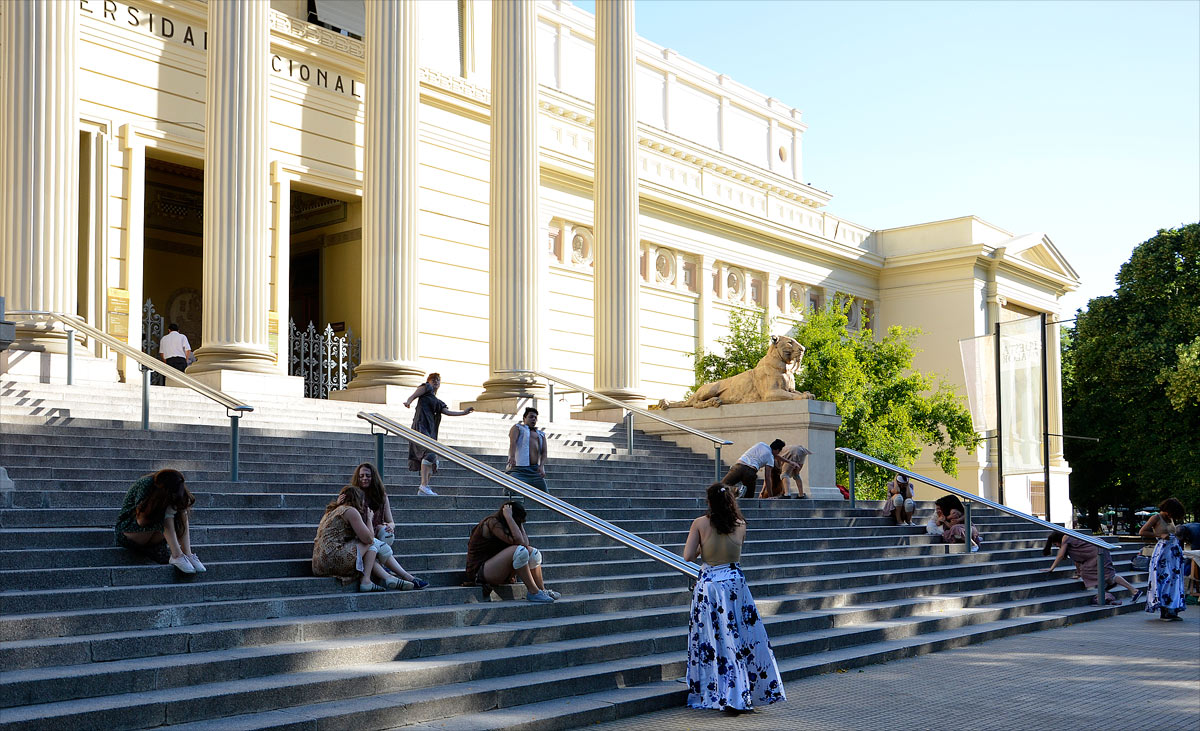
x=515 y=246
x=39 y=166
x=390 y=208
x=236 y=188
x=617 y=285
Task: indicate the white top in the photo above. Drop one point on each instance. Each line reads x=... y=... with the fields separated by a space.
x=174 y=345
x=758 y=456
x=523 y=444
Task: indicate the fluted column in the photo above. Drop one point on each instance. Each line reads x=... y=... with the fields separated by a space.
x=390 y=208
x=617 y=284
x=39 y=165
x=236 y=192
x=514 y=244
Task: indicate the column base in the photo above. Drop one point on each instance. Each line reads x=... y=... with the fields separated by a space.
x=233 y=358
x=512 y=390
x=624 y=395
x=247 y=385
x=373 y=394
x=40 y=366
x=385 y=373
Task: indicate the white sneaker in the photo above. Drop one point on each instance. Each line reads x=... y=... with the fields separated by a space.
x=182 y=564
x=424 y=490
x=195 y=562
x=974 y=547
x=554 y=594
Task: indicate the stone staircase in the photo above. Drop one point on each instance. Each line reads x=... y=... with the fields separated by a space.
x=92 y=637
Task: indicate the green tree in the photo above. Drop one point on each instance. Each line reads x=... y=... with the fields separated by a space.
x=888 y=410
x=1133 y=362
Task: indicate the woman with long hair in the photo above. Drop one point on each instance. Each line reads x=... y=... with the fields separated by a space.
x=730 y=664
x=366 y=478
x=154 y=520
x=1166 y=565
x=954 y=521
x=428 y=419
x=1087 y=560
x=499 y=550
x=346 y=548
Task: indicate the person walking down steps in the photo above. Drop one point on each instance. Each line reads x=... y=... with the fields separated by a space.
x=427 y=420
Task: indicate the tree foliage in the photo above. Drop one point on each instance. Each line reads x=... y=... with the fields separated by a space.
x=1131 y=377
x=888 y=410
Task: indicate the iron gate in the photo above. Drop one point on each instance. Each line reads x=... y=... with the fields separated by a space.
x=324 y=360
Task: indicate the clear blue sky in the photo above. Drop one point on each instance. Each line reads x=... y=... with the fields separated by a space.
x=1077 y=119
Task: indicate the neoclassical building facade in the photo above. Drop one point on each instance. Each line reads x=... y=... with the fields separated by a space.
x=471 y=187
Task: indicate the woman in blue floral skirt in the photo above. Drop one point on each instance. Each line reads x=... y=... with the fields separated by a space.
x=730 y=664
x=1167 y=564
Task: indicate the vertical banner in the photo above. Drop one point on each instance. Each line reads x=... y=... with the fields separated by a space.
x=979 y=374
x=1021 y=395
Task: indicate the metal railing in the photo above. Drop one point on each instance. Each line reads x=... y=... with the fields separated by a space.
x=630 y=410
x=584 y=518
x=968 y=498
x=233 y=408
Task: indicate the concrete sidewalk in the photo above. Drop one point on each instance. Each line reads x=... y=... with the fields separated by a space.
x=1132 y=671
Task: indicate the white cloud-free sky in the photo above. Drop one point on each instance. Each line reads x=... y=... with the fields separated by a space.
x=1077 y=119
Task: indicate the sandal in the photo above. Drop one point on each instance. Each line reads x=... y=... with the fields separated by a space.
x=367 y=588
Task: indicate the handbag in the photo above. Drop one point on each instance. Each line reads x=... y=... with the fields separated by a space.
x=1141 y=561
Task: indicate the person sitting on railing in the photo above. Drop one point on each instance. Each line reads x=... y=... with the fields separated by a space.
x=955 y=530
x=527 y=451
x=427 y=420
x=730 y=665
x=1087 y=559
x=366 y=477
x=499 y=550
x=900 y=503
x=346 y=549
x=154 y=520
x=788 y=464
x=1166 y=565
x=745 y=471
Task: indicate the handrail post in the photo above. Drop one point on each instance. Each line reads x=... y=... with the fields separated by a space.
x=379 y=453
x=851 y=480
x=145 y=398
x=1101 y=581
x=550 y=418
x=629 y=431
x=717 y=463
x=233 y=447
x=967 y=525
x=70 y=357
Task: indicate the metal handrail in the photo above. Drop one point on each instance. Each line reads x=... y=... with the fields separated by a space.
x=71 y=323
x=603 y=527
x=718 y=442
x=968 y=498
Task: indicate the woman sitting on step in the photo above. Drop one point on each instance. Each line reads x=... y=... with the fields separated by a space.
x=499 y=550
x=154 y=520
x=1087 y=560
x=730 y=665
x=954 y=523
x=346 y=548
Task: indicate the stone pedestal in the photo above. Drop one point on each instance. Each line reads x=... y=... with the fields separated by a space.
x=375 y=394
x=809 y=423
x=246 y=385
x=39 y=366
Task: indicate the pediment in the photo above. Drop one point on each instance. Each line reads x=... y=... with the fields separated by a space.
x=1039 y=250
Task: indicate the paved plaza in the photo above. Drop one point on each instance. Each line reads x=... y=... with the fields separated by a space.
x=1128 y=672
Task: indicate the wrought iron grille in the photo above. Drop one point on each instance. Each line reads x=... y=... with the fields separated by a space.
x=153 y=327
x=324 y=360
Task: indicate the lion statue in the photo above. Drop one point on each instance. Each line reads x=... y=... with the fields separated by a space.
x=771 y=380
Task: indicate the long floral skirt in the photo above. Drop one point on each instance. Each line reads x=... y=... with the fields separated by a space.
x=1166 y=577
x=730 y=663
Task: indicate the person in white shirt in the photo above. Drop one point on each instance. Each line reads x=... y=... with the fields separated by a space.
x=745 y=472
x=174 y=348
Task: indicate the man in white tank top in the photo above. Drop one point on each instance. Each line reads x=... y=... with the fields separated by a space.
x=527 y=451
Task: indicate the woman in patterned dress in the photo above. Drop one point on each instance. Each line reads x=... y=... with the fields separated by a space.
x=346 y=549
x=1166 y=565
x=730 y=663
